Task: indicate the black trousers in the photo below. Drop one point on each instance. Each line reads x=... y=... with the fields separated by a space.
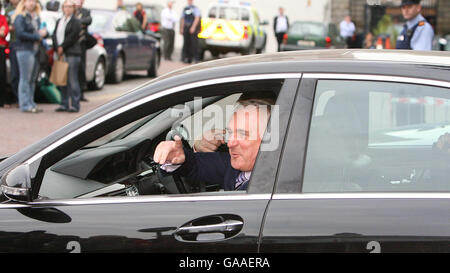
x=2 y=76
x=82 y=69
x=190 y=46
x=168 y=36
x=279 y=36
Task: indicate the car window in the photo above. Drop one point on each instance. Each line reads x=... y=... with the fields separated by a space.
x=212 y=13
x=378 y=136
x=245 y=15
x=99 y=21
x=307 y=28
x=119 y=163
x=122 y=23
x=229 y=13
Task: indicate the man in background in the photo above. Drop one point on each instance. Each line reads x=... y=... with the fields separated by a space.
x=189 y=28
x=417 y=33
x=168 y=20
x=84 y=15
x=347 y=30
x=280 y=26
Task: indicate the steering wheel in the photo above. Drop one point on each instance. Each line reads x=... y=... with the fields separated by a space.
x=183 y=185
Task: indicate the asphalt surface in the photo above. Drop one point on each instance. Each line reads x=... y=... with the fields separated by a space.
x=22 y=129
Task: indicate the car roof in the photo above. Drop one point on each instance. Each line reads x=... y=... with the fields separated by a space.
x=350 y=56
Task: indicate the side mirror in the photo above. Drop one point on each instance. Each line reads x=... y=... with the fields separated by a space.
x=16 y=184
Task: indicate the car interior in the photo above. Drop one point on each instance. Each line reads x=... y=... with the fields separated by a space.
x=120 y=162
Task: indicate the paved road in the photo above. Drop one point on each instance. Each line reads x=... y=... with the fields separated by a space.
x=22 y=129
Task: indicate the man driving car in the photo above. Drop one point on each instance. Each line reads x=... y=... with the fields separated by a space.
x=232 y=169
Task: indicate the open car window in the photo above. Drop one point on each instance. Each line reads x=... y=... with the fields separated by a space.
x=119 y=163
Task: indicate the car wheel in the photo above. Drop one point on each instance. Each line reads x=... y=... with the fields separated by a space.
x=154 y=65
x=99 y=76
x=250 y=50
x=118 y=71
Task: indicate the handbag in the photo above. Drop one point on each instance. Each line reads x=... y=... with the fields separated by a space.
x=90 y=41
x=58 y=76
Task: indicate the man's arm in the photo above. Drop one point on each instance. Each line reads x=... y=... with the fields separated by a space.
x=86 y=18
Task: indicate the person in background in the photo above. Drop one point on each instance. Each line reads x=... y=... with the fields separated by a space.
x=417 y=33
x=168 y=20
x=189 y=28
x=280 y=26
x=84 y=15
x=14 y=66
x=28 y=36
x=120 y=5
x=347 y=30
x=66 y=42
x=4 y=29
x=141 y=16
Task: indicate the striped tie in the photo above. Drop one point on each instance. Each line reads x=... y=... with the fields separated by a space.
x=241 y=179
x=82 y=36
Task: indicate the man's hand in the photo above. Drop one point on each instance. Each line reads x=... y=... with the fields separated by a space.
x=210 y=142
x=170 y=152
x=60 y=51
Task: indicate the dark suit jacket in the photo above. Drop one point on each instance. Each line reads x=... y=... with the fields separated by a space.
x=71 y=45
x=275 y=22
x=211 y=168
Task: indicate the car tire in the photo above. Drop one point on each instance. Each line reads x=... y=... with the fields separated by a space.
x=117 y=73
x=263 y=47
x=152 y=71
x=250 y=50
x=99 y=78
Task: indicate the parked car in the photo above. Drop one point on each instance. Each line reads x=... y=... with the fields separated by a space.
x=127 y=46
x=355 y=160
x=153 y=12
x=232 y=27
x=96 y=57
x=312 y=35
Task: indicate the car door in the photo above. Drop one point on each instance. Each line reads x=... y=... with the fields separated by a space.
x=207 y=222
x=130 y=40
x=365 y=168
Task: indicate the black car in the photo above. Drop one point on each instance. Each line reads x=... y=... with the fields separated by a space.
x=355 y=159
x=127 y=46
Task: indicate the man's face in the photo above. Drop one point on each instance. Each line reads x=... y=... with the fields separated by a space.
x=245 y=131
x=190 y=2
x=411 y=11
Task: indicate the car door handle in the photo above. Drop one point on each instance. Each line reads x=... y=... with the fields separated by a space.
x=210 y=228
x=226 y=226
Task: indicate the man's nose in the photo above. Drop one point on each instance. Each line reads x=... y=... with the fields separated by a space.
x=232 y=142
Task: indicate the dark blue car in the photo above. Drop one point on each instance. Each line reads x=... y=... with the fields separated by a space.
x=127 y=46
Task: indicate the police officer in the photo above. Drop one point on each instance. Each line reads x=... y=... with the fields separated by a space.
x=417 y=33
x=189 y=28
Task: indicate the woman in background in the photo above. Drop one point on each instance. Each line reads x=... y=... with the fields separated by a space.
x=28 y=36
x=4 y=29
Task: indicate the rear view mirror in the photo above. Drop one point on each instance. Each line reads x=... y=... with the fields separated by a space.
x=16 y=184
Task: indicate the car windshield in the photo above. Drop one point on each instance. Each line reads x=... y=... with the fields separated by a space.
x=99 y=20
x=306 y=28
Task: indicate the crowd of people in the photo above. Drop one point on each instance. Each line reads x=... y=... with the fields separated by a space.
x=27 y=35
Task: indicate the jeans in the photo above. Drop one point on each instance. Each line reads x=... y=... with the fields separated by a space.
x=72 y=90
x=28 y=70
x=15 y=74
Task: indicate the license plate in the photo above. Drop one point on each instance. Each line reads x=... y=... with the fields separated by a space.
x=306 y=43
